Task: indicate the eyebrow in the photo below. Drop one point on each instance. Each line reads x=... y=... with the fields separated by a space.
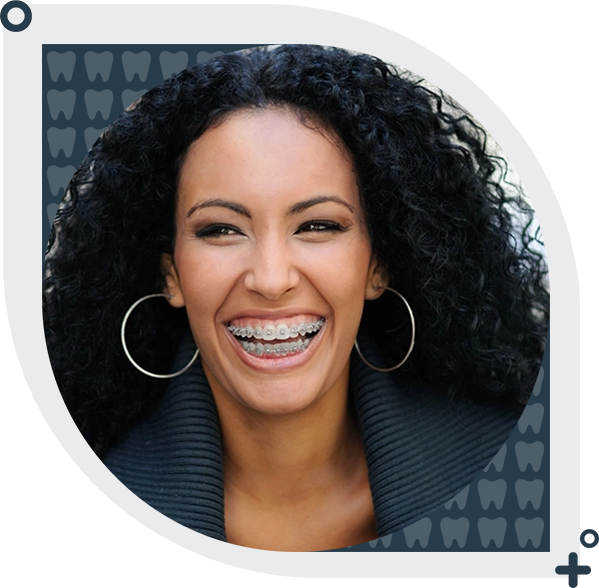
x=240 y=209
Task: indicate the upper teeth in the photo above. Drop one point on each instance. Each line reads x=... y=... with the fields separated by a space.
x=281 y=332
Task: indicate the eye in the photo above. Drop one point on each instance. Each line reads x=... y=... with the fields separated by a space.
x=217 y=230
x=321 y=226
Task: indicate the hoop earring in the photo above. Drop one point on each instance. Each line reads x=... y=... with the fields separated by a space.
x=135 y=365
x=405 y=358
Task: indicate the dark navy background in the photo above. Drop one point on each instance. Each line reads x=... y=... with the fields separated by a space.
x=525 y=73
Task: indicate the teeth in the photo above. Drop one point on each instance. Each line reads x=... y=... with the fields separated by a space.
x=492 y=491
x=61 y=63
x=128 y=97
x=533 y=416
x=172 y=63
x=529 y=529
x=59 y=177
x=455 y=530
x=529 y=491
x=498 y=460
x=91 y=136
x=205 y=55
x=136 y=63
x=529 y=453
x=63 y=139
x=98 y=63
x=459 y=499
x=98 y=102
x=492 y=530
x=419 y=531
x=280 y=332
x=51 y=211
x=61 y=102
x=386 y=541
x=278 y=349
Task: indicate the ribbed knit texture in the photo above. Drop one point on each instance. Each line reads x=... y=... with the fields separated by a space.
x=421 y=449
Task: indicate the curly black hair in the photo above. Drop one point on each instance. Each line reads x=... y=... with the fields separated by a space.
x=453 y=234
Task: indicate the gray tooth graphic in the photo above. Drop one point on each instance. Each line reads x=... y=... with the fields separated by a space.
x=492 y=492
x=98 y=63
x=129 y=97
x=529 y=530
x=529 y=453
x=533 y=416
x=459 y=499
x=498 y=460
x=98 y=102
x=455 y=530
x=51 y=211
x=492 y=529
x=91 y=135
x=419 y=531
x=172 y=63
x=61 y=63
x=136 y=63
x=205 y=56
x=537 y=389
x=529 y=491
x=61 y=139
x=386 y=541
x=59 y=177
x=61 y=102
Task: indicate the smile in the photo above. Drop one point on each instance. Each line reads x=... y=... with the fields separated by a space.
x=276 y=340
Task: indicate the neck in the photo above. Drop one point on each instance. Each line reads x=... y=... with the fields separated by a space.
x=284 y=458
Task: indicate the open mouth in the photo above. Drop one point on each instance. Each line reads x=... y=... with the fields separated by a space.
x=276 y=340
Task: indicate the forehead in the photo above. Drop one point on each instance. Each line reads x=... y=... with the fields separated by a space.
x=267 y=156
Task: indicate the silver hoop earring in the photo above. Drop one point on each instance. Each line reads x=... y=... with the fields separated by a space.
x=405 y=358
x=135 y=365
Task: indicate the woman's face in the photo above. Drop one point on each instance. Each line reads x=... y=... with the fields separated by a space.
x=272 y=259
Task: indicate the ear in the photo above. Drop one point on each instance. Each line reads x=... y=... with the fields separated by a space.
x=173 y=285
x=377 y=281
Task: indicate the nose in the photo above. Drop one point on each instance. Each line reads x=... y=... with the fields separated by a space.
x=272 y=272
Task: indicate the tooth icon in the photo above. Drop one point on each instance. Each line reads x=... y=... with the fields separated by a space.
x=460 y=499
x=91 y=135
x=61 y=102
x=498 y=461
x=529 y=491
x=492 y=492
x=455 y=530
x=98 y=63
x=129 y=97
x=61 y=63
x=419 y=531
x=172 y=63
x=98 y=102
x=537 y=389
x=386 y=541
x=51 y=211
x=533 y=416
x=529 y=453
x=59 y=177
x=529 y=530
x=136 y=63
x=492 y=529
x=61 y=139
x=205 y=56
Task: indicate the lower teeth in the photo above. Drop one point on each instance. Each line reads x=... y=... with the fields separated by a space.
x=278 y=349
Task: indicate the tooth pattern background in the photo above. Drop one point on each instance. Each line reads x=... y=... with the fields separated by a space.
x=514 y=520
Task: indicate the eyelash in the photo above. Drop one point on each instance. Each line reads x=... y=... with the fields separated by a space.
x=316 y=226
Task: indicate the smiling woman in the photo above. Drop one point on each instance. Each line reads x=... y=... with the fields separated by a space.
x=280 y=199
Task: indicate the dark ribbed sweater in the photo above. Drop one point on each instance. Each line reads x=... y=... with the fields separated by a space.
x=421 y=449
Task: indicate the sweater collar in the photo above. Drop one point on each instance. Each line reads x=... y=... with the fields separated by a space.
x=421 y=450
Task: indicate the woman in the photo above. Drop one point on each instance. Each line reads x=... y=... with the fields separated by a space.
x=291 y=204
